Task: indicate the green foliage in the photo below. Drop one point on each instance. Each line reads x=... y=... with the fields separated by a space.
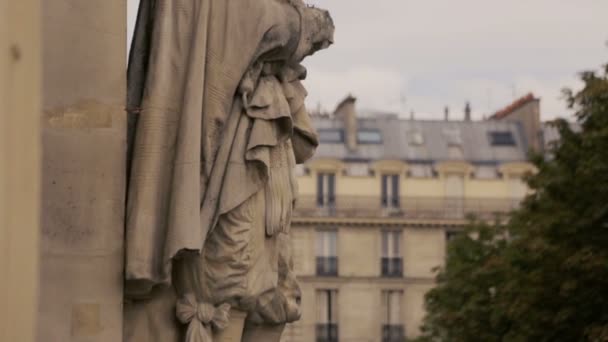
x=542 y=276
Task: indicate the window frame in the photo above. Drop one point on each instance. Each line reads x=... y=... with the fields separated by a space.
x=415 y=138
x=452 y=136
x=501 y=139
x=390 y=189
x=391 y=258
x=327 y=331
x=326 y=189
x=326 y=252
x=324 y=139
x=380 y=141
x=393 y=329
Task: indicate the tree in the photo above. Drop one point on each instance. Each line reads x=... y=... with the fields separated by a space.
x=543 y=275
x=460 y=307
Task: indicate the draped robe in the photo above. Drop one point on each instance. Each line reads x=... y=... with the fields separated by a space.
x=187 y=60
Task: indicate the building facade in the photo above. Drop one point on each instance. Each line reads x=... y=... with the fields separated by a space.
x=377 y=205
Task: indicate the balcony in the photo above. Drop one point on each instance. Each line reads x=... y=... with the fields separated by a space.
x=391 y=267
x=327 y=266
x=405 y=207
x=393 y=333
x=327 y=332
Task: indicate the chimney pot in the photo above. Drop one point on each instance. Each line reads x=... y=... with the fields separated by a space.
x=347 y=113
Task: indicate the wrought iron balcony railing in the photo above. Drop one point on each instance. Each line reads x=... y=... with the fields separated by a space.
x=327 y=266
x=391 y=267
x=393 y=333
x=405 y=207
x=327 y=332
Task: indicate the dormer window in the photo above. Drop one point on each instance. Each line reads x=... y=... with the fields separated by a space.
x=415 y=138
x=501 y=138
x=331 y=135
x=452 y=137
x=369 y=136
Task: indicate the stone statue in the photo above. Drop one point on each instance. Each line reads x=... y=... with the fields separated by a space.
x=217 y=124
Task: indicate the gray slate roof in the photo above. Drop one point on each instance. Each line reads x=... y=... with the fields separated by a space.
x=398 y=135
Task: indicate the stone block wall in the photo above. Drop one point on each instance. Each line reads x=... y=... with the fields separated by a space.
x=83 y=170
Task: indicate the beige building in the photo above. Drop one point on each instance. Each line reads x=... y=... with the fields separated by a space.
x=376 y=208
x=377 y=205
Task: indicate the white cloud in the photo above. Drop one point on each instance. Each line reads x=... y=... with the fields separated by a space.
x=374 y=87
x=384 y=89
x=488 y=96
x=447 y=52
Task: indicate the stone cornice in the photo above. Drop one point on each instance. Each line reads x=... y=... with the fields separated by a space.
x=389 y=166
x=386 y=282
x=377 y=221
x=517 y=169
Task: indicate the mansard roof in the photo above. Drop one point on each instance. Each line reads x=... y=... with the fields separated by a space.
x=488 y=142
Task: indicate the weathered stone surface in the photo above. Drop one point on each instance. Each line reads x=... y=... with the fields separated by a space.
x=219 y=123
x=84 y=172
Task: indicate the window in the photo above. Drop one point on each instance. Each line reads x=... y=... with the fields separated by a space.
x=452 y=136
x=390 y=191
x=331 y=135
x=327 y=316
x=454 y=185
x=369 y=136
x=327 y=254
x=451 y=235
x=501 y=138
x=486 y=172
x=518 y=187
x=391 y=263
x=358 y=169
x=392 y=322
x=415 y=138
x=326 y=189
x=454 y=192
x=421 y=171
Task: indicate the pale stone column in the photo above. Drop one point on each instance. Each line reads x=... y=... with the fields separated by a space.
x=83 y=183
x=19 y=167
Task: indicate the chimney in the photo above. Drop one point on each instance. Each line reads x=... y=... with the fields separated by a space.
x=446 y=113
x=346 y=112
x=467 y=112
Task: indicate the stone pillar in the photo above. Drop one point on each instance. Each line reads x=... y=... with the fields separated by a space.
x=19 y=167
x=83 y=170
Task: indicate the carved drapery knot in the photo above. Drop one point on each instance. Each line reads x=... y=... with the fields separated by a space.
x=200 y=317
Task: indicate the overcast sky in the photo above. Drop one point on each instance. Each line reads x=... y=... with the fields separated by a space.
x=423 y=55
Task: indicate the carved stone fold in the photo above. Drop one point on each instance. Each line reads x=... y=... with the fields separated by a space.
x=217 y=124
